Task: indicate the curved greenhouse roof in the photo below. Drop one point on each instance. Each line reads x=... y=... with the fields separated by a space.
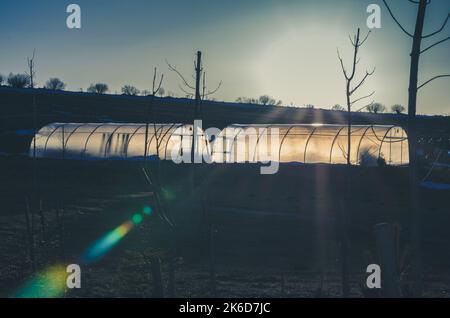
x=236 y=143
x=112 y=141
x=312 y=144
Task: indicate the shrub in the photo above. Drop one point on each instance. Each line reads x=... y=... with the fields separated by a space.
x=130 y=90
x=55 y=84
x=18 y=80
x=98 y=88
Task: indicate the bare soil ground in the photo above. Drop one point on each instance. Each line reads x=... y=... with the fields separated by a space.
x=273 y=236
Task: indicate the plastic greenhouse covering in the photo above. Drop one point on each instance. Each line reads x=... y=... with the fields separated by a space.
x=236 y=143
x=315 y=143
x=112 y=141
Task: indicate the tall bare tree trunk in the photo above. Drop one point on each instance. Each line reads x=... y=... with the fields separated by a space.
x=198 y=74
x=412 y=131
x=198 y=99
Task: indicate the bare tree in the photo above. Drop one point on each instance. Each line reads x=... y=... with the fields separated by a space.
x=130 y=90
x=416 y=51
x=31 y=69
x=267 y=100
x=153 y=177
x=264 y=99
x=351 y=89
x=18 y=80
x=197 y=90
x=150 y=112
x=376 y=108
x=99 y=88
x=247 y=100
x=398 y=109
x=55 y=84
x=338 y=107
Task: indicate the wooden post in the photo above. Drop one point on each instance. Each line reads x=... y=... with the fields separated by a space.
x=155 y=263
x=172 y=265
x=60 y=225
x=30 y=234
x=42 y=217
x=387 y=256
x=210 y=245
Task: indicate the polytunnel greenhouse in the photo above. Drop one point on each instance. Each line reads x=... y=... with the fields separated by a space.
x=114 y=141
x=234 y=144
x=315 y=143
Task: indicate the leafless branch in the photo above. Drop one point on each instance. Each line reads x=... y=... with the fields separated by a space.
x=184 y=91
x=352 y=41
x=209 y=93
x=433 y=45
x=344 y=152
x=432 y=79
x=362 y=81
x=214 y=90
x=417 y=2
x=361 y=98
x=395 y=19
x=370 y=104
x=364 y=40
x=155 y=91
x=342 y=65
x=172 y=68
x=355 y=55
x=204 y=85
x=439 y=30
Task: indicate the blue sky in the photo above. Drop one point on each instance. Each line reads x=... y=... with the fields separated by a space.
x=283 y=48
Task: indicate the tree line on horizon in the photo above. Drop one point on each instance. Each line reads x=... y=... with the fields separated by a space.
x=56 y=84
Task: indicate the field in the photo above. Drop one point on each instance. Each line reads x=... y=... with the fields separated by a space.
x=250 y=235
x=237 y=233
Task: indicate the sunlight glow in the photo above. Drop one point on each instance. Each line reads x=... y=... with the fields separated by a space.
x=48 y=284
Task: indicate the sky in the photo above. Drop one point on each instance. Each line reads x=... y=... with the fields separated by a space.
x=283 y=48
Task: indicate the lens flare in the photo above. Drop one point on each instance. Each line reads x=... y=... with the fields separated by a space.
x=52 y=282
x=48 y=284
x=147 y=210
x=168 y=194
x=111 y=239
x=137 y=219
x=107 y=242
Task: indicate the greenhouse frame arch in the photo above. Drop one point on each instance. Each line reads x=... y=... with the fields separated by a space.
x=315 y=143
x=113 y=141
x=300 y=143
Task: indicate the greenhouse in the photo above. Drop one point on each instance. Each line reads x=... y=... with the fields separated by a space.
x=113 y=141
x=317 y=143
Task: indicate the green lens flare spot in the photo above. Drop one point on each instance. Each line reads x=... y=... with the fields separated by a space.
x=168 y=194
x=148 y=210
x=137 y=219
